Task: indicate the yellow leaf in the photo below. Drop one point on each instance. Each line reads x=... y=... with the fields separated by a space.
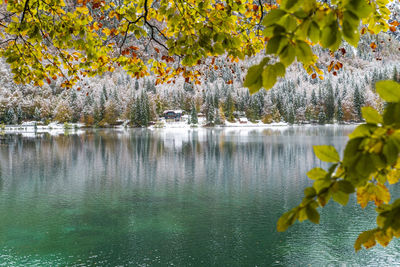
x=393 y=176
x=383 y=237
x=96 y=26
x=371 y=192
x=106 y=31
x=83 y=10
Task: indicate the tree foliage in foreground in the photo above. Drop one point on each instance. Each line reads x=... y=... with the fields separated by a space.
x=370 y=160
x=46 y=39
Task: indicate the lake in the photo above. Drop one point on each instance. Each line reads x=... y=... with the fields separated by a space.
x=201 y=197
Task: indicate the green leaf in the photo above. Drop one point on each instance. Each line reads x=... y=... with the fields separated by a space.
x=330 y=36
x=304 y=52
x=391 y=114
x=341 y=197
x=280 y=69
x=253 y=79
x=316 y=173
x=359 y=7
x=273 y=17
x=350 y=28
x=371 y=115
x=327 y=153
x=273 y=44
x=362 y=130
x=286 y=220
x=346 y=187
x=310 y=192
x=390 y=151
x=287 y=55
x=322 y=184
x=289 y=4
x=314 y=32
x=301 y=14
x=289 y=23
x=388 y=90
x=312 y=214
x=269 y=77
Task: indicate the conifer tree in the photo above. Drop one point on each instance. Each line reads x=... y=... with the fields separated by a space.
x=209 y=110
x=136 y=84
x=20 y=114
x=37 y=114
x=102 y=106
x=10 y=117
x=218 y=120
x=193 y=115
x=229 y=108
x=104 y=92
x=330 y=103
x=314 y=98
x=339 y=112
x=74 y=106
x=357 y=103
x=321 y=117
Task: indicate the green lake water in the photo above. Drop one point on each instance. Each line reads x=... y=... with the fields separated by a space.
x=203 y=197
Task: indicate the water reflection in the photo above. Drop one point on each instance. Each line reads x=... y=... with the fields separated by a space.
x=182 y=197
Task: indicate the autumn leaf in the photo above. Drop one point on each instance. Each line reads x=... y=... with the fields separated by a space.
x=371 y=192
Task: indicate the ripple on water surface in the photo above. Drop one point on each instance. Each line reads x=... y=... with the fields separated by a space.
x=195 y=198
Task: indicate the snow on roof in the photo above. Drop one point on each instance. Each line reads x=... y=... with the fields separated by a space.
x=178 y=111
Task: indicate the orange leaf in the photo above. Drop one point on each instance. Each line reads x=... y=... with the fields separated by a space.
x=363 y=31
x=373 y=45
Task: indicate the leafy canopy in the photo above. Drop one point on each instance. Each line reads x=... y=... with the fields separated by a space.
x=47 y=39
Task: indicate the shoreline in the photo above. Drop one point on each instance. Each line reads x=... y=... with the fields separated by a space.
x=80 y=128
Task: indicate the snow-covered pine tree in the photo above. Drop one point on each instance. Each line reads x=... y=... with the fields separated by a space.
x=229 y=108
x=74 y=107
x=217 y=120
x=321 y=117
x=104 y=93
x=37 y=116
x=136 y=84
x=339 y=112
x=329 y=103
x=193 y=115
x=209 y=110
x=314 y=100
x=20 y=114
x=10 y=117
x=357 y=103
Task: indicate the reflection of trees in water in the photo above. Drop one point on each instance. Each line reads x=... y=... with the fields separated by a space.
x=229 y=160
x=206 y=193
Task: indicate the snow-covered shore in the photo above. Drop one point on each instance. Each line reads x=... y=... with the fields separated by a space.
x=57 y=128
